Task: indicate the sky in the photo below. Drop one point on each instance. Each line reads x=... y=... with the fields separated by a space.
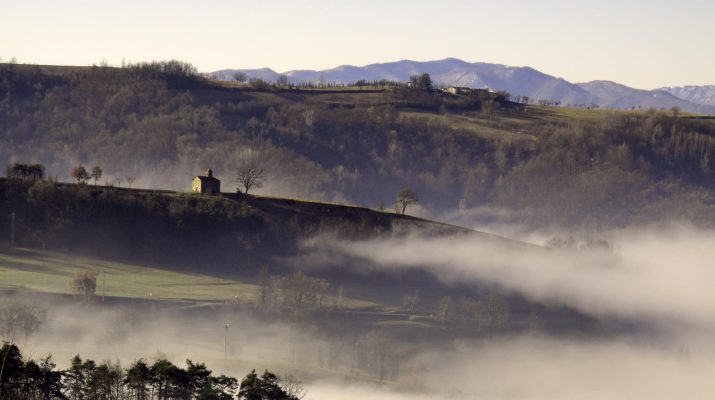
x=640 y=43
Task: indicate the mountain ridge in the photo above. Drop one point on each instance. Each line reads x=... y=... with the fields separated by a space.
x=518 y=81
x=700 y=94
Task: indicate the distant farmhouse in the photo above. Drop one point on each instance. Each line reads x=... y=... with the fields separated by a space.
x=461 y=90
x=457 y=90
x=206 y=184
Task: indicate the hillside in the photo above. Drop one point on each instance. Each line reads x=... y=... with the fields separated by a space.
x=240 y=232
x=473 y=160
x=189 y=249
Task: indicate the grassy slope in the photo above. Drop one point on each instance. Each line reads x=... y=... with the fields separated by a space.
x=28 y=269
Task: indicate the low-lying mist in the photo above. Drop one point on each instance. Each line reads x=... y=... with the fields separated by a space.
x=660 y=278
x=657 y=278
x=534 y=367
x=660 y=274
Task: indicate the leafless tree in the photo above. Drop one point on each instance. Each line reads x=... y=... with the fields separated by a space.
x=293 y=387
x=496 y=309
x=409 y=302
x=250 y=175
x=240 y=76
x=445 y=309
x=405 y=198
x=301 y=291
x=84 y=285
x=676 y=111
x=265 y=287
x=282 y=81
x=489 y=107
x=96 y=174
x=20 y=316
x=376 y=353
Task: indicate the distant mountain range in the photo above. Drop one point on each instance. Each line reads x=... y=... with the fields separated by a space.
x=704 y=95
x=522 y=81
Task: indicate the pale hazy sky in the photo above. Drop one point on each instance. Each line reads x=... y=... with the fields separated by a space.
x=641 y=43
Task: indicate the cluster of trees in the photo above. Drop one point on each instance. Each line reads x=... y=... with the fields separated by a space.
x=283 y=82
x=421 y=81
x=549 y=103
x=25 y=171
x=296 y=291
x=491 y=312
x=81 y=174
x=20 y=319
x=162 y=380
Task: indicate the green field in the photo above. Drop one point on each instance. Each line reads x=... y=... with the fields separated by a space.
x=26 y=268
x=22 y=268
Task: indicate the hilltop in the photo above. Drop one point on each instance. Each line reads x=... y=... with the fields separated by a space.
x=240 y=232
x=521 y=81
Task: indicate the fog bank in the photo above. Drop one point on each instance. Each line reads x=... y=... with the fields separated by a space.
x=663 y=275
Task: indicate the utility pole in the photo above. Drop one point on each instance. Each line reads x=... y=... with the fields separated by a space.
x=104 y=282
x=225 y=335
x=12 y=235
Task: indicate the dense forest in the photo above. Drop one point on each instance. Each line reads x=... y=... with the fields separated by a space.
x=160 y=124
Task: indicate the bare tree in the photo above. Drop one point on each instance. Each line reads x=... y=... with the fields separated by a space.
x=96 y=174
x=250 y=175
x=676 y=112
x=292 y=386
x=445 y=309
x=339 y=296
x=282 y=81
x=496 y=311
x=409 y=302
x=301 y=291
x=376 y=353
x=405 y=198
x=20 y=316
x=265 y=287
x=84 y=285
x=240 y=76
x=489 y=107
